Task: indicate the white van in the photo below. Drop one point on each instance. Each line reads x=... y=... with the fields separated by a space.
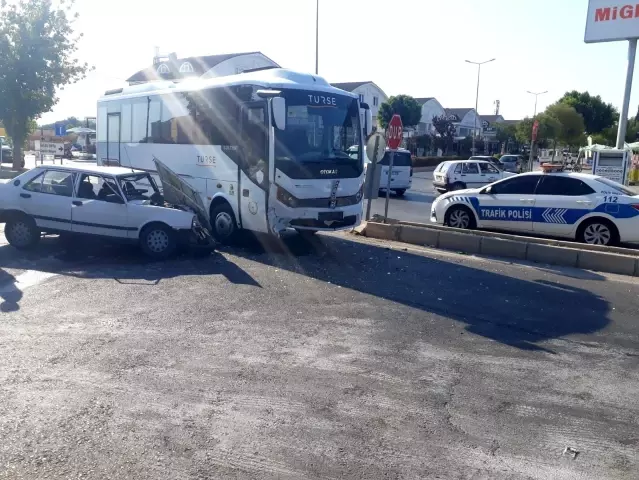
x=402 y=177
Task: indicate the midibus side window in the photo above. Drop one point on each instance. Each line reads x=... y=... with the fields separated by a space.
x=255 y=151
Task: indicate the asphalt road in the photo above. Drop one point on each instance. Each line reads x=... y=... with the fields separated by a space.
x=340 y=358
x=414 y=206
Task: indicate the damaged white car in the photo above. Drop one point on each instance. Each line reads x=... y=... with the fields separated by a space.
x=112 y=202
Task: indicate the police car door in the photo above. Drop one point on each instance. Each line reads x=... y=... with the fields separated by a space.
x=509 y=204
x=559 y=202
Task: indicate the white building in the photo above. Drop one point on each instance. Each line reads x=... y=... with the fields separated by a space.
x=368 y=93
x=466 y=121
x=430 y=108
x=176 y=69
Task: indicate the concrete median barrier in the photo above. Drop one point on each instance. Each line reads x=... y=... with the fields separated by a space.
x=617 y=260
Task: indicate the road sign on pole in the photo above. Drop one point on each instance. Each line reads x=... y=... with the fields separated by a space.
x=375 y=149
x=535 y=130
x=60 y=130
x=394 y=136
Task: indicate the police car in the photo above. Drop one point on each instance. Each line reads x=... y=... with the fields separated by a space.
x=587 y=208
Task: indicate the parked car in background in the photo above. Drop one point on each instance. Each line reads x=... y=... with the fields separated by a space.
x=488 y=158
x=513 y=163
x=402 y=175
x=462 y=174
x=7 y=154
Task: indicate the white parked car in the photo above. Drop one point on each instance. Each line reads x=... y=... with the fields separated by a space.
x=112 y=202
x=461 y=174
x=587 y=208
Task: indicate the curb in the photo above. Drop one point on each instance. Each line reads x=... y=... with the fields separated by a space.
x=621 y=261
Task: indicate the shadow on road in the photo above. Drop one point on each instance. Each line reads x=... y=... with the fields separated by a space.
x=509 y=310
x=9 y=293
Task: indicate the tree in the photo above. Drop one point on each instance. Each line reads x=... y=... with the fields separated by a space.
x=570 y=124
x=446 y=131
x=37 y=44
x=597 y=115
x=404 y=105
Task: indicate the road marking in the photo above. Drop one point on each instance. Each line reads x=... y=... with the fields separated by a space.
x=25 y=280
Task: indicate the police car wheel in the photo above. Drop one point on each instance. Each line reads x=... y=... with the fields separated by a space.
x=460 y=217
x=598 y=232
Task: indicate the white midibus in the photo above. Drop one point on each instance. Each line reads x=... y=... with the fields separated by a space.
x=266 y=150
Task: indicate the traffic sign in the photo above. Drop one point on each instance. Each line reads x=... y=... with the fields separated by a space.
x=535 y=129
x=375 y=147
x=60 y=130
x=394 y=132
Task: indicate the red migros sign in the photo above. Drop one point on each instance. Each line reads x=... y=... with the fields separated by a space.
x=610 y=20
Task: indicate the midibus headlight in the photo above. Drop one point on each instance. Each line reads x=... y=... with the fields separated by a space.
x=359 y=194
x=286 y=198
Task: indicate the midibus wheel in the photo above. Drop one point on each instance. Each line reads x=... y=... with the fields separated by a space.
x=224 y=224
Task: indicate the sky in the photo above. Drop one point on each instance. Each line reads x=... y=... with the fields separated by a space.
x=413 y=47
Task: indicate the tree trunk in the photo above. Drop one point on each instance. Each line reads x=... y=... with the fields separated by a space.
x=18 y=157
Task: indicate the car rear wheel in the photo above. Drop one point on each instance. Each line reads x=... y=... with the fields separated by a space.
x=598 y=232
x=22 y=232
x=400 y=192
x=158 y=241
x=457 y=186
x=460 y=217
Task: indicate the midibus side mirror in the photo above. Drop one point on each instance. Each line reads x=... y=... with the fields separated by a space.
x=278 y=106
x=368 y=119
x=369 y=122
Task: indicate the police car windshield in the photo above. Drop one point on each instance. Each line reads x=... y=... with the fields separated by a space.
x=617 y=186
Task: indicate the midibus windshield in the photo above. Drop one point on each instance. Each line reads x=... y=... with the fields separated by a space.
x=320 y=128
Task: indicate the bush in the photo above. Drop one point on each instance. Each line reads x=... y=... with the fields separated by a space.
x=433 y=161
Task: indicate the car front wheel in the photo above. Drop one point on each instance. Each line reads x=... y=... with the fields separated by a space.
x=22 y=232
x=158 y=241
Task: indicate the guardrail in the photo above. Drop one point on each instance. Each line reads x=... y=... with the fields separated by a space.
x=617 y=260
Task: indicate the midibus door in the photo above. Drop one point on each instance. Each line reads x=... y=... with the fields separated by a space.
x=254 y=169
x=113 y=140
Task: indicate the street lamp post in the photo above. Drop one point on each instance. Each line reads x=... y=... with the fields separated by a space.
x=532 y=142
x=316 y=37
x=479 y=64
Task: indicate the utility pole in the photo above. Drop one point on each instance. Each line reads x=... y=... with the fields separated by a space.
x=532 y=142
x=479 y=64
x=316 y=37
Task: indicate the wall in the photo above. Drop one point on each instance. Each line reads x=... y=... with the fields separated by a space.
x=238 y=64
x=468 y=122
x=430 y=109
x=370 y=91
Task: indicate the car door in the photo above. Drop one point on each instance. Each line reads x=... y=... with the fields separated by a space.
x=47 y=198
x=471 y=175
x=95 y=214
x=508 y=204
x=489 y=173
x=559 y=202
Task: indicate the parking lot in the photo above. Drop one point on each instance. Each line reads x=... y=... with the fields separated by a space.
x=339 y=358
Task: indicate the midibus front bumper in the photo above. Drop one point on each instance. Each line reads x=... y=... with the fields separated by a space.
x=316 y=219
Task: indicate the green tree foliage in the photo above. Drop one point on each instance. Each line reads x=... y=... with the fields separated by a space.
x=597 y=114
x=505 y=132
x=404 y=105
x=568 y=124
x=37 y=45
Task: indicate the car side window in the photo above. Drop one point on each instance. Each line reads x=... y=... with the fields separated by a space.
x=458 y=168
x=52 y=182
x=519 y=185
x=35 y=184
x=469 y=168
x=487 y=168
x=553 y=185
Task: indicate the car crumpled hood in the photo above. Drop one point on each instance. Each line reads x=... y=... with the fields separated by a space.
x=177 y=191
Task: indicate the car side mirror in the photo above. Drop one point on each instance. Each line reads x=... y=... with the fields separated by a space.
x=487 y=190
x=278 y=105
